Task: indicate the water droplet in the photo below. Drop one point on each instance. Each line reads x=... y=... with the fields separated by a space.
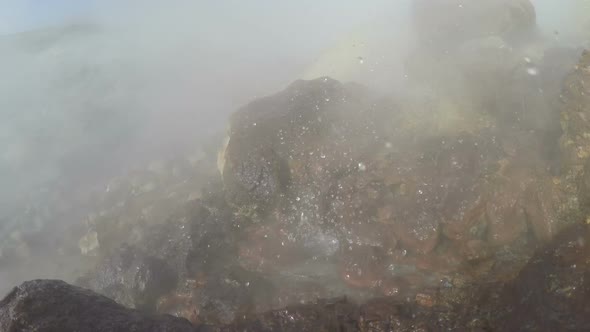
x=298 y=198
x=532 y=71
x=362 y=167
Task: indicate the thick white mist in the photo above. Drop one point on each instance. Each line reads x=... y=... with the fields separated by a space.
x=128 y=82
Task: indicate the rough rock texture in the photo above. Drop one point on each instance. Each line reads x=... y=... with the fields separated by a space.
x=575 y=115
x=387 y=206
x=300 y=137
x=328 y=190
x=133 y=278
x=549 y=294
x=359 y=200
x=180 y=267
x=144 y=198
x=50 y=305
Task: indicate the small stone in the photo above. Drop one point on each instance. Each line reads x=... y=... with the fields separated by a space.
x=89 y=244
x=425 y=300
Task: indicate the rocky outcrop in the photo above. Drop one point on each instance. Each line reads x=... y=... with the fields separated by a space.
x=133 y=278
x=575 y=115
x=549 y=294
x=383 y=204
x=302 y=136
x=51 y=305
x=330 y=190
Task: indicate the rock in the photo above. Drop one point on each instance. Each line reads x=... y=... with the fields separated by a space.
x=445 y=185
x=254 y=179
x=584 y=189
x=145 y=198
x=214 y=234
x=357 y=209
x=162 y=265
x=326 y=315
x=298 y=139
x=384 y=204
x=170 y=242
x=363 y=266
x=271 y=247
x=575 y=115
x=232 y=293
x=132 y=278
x=52 y=305
x=542 y=207
x=551 y=292
x=506 y=218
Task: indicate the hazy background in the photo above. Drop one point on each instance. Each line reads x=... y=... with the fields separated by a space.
x=103 y=81
x=90 y=88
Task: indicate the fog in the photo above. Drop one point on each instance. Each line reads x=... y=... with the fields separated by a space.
x=159 y=75
x=118 y=85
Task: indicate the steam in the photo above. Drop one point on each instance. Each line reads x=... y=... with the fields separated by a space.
x=84 y=97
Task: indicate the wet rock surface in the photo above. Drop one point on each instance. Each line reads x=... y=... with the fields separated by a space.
x=133 y=278
x=328 y=190
x=425 y=213
x=549 y=293
x=50 y=305
x=273 y=142
x=574 y=142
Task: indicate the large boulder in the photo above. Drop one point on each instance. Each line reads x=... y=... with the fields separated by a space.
x=52 y=305
x=548 y=294
x=366 y=185
x=302 y=136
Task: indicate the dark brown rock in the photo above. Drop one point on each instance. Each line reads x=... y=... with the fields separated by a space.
x=51 y=305
x=506 y=217
x=298 y=139
x=575 y=115
x=542 y=202
x=551 y=293
x=133 y=278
